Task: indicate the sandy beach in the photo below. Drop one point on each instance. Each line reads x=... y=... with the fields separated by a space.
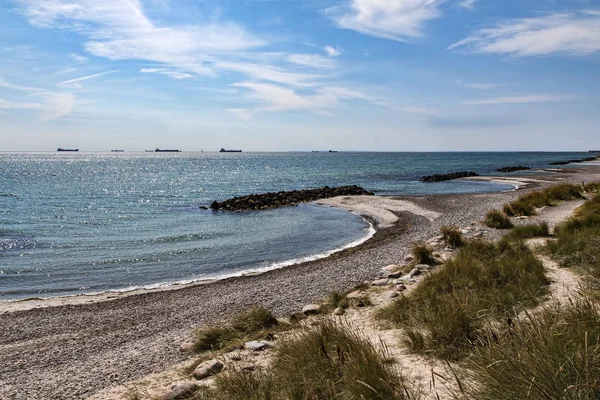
x=71 y=348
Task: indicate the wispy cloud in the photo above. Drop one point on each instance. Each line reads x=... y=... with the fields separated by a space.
x=469 y=4
x=241 y=113
x=85 y=78
x=389 y=19
x=333 y=51
x=57 y=105
x=311 y=60
x=78 y=58
x=119 y=30
x=574 y=34
x=167 y=72
x=479 y=86
x=4 y=83
x=534 y=98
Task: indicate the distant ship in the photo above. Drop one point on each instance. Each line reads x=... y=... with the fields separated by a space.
x=61 y=149
x=117 y=151
x=229 y=151
x=157 y=150
x=333 y=151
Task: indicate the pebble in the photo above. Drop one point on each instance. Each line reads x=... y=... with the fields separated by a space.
x=207 y=368
x=311 y=309
x=380 y=282
x=179 y=389
x=255 y=345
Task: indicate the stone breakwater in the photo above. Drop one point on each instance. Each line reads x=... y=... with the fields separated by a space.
x=574 y=161
x=290 y=198
x=513 y=169
x=447 y=177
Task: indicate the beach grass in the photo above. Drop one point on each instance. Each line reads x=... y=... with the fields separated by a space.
x=497 y=219
x=577 y=243
x=452 y=236
x=446 y=314
x=554 y=354
x=328 y=361
x=529 y=231
x=422 y=254
x=253 y=324
x=526 y=205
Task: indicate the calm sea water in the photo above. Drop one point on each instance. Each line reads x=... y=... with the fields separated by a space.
x=73 y=223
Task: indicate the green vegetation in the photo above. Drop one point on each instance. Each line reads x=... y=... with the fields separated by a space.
x=256 y=323
x=554 y=354
x=526 y=204
x=324 y=362
x=528 y=231
x=497 y=219
x=446 y=313
x=578 y=240
x=451 y=236
x=422 y=253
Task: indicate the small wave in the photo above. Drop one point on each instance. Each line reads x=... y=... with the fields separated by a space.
x=185 y=238
x=9 y=195
x=10 y=244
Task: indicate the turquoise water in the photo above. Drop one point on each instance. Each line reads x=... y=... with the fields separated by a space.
x=73 y=223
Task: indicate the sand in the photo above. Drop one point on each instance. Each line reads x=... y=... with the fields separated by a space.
x=74 y=350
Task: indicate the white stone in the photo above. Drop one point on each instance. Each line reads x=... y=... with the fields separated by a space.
x=380 y=282
x=255 y=345
x=311 y=309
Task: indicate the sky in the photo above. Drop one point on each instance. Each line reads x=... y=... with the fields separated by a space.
x=300 y=75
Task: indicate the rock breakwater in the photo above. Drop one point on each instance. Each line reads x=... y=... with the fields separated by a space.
x=447 y=177
x=288 y=198
x=512 y=168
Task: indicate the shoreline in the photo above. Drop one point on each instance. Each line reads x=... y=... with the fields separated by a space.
x=33 y=302
x=75 y=351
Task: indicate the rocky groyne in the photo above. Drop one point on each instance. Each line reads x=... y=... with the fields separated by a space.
x=290 y=198
x=573 y=161
x=513 y=168
x=447 y=177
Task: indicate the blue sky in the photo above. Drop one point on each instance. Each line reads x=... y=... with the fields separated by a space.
x=277 y=75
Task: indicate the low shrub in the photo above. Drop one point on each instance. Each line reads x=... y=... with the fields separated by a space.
x=497 y=219
x=449 y=308
x=452 y=236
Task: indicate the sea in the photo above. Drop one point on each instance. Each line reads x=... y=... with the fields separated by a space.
x=75 y=223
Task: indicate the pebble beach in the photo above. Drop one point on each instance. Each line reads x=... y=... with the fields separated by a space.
x=72 y=348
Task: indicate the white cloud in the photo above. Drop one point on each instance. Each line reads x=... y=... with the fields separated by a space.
x=468 y=4
x=535 y=98
x=119 y=29
x=5 y=104
x=321 y=101
x=310 y=60
x=241 y=113
x=74 y=82
x=167 y=72
x=333 y=51
x=573 y=34
x=389 y=19
x=479 y=86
